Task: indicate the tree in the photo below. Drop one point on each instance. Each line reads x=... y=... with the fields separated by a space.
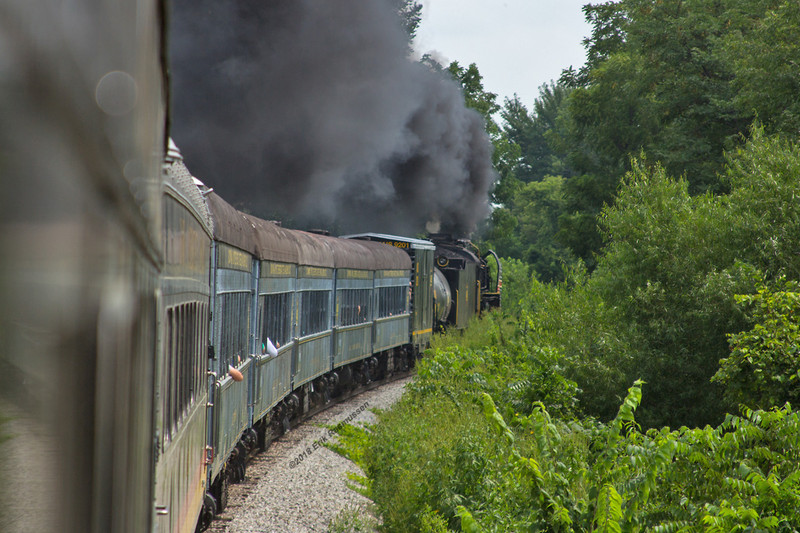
x=410 y=13
x=670 y=270
x=475 y=96
x=608 y=21
x=673 y=264
x=602 y=126
x=540 y=204
x=764 y=57
x=531 y=193
x=681 y=80
x=530 y=130
x=506 y=152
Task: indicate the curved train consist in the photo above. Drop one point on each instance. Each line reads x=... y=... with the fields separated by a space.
x=153 y=335
x=296 y=318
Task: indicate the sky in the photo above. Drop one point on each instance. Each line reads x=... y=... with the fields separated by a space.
x=518 y=45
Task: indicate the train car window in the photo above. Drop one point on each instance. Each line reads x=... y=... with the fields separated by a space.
x=176 y=370
x=235 y=318
x=187 y=334
x=186 y=357
x=197 y=364
x=188 y=380
x=179 y=363
x=275 y=313
x=169 y=373
x=392 y=301
x=203 y=348
x=353 y=306
x=314 y=312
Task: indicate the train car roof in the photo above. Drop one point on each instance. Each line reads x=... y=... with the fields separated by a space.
x=416 y=244
x=365 y=255
x=230 y=225
x=387 y=257
x=272 y=242
x=351 y=254
x=181 y=182
x=312 y=250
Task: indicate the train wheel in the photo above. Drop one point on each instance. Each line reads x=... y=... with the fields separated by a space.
x=207 y=513
x=263 y=437
x=221 y=491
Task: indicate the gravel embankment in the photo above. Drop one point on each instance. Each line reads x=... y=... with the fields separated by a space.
x=298 y=485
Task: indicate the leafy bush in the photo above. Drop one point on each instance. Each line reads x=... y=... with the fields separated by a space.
x=437 y=462
x=517 y=279
x=764 y=366
x=571 y=318
x=353 y=519
x=671 y=272
x=487 y=438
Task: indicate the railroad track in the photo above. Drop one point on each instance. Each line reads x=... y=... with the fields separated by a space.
x=297 y=486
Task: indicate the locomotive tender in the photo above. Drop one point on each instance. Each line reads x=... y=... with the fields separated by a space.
x=153 y=334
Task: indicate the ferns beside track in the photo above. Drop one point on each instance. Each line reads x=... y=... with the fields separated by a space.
x=452 y=454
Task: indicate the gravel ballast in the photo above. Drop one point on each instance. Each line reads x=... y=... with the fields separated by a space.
x=298 y=485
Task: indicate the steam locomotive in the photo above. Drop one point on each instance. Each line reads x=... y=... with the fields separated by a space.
x=153 y=335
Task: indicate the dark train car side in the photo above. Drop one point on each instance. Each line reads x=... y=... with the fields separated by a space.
x=297 y=318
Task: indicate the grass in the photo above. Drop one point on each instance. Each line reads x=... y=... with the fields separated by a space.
x=354 y=519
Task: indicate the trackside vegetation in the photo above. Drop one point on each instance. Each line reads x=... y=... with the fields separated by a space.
x=644 y=371
x=654 y=393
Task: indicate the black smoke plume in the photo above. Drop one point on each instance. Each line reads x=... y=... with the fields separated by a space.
x=311 y=109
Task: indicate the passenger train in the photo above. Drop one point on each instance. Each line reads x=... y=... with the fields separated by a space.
x=153 y=335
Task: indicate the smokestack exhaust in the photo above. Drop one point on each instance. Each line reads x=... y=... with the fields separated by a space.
x=311 y=110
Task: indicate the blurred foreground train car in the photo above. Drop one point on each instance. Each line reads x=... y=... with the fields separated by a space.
x=152 y=335
x=82 y=139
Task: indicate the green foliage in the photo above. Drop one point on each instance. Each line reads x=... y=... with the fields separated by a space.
x=681 y=80
x=415 y=465
x=450 y=456
x=609 y=510
x=516 y=285
x=764 y=55
x=530 y=190
x=353 y=520
x=516 y=371
x=661 y=302
x=492 y=328
x=763 y=176
x=608 y=21
x=763 y=368
x=410 y=14
x=530 y=130
x=527 y=229
x=572 y=318
x=671 y=272
x=468 y=523
x=431 y=522
x=674 y=262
